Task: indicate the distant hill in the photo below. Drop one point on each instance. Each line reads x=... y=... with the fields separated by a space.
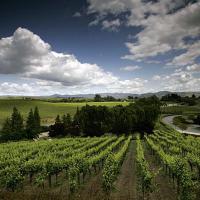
x=115 y=95
x=124 y=95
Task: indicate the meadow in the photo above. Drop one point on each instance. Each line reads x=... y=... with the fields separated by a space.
x=48 y=110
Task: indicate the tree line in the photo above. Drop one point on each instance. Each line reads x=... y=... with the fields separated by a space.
x=14 y=127
x=190 y=101
x=140 y=116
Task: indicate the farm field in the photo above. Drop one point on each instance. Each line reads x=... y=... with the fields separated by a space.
x=164 y=165
x=48 y=110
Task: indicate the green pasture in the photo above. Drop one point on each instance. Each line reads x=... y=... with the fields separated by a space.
x=48 y=110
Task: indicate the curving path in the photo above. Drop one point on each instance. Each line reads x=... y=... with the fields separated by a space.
x=191 y=130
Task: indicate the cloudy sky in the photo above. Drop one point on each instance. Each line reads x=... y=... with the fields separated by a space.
x=94 y=46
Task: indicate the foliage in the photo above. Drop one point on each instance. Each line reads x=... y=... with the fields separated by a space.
x=190 y=101
x=145 y=176
x=112 y=166
x=176 y=153
x=98 y=120
x=197 y=119
x=13 y=127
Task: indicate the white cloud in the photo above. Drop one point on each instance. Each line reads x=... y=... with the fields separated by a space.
x=193 y=68
x=130 y=68
x=111 y=25
x=164 y=33
x=165 y=24
x=77 y=14
x=188 y=57
x=10 y=88
x=179 y=80
x=152 y=61
x=156 y=77
x=27 y=54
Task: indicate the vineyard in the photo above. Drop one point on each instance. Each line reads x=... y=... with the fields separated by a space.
x=163 y=165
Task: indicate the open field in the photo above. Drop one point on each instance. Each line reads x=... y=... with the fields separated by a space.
x=48 y=110
x=162 y=166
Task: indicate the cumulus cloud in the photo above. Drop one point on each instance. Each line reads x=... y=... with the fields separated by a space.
x=164 y=33
x=180 y=80
x=164 y=26
x=25 y=53
x=130 y=68
x=10 y=88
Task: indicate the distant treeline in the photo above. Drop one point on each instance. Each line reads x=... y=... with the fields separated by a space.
x=140 y=116
x=14 y=127
x=191 y=101
x=97 y=98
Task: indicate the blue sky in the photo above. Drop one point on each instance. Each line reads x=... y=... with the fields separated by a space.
x=92 y=46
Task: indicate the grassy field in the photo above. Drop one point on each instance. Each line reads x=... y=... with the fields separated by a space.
x=181 y=110
x=48 y=110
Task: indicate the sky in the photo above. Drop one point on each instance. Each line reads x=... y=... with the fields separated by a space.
x=99 y=46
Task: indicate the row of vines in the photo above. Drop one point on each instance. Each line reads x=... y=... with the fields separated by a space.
x=40 y=163
x=179 y=157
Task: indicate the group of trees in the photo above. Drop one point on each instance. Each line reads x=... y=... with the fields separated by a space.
x=99 y=98
x=14 y=127
x=64 y=125
x=197 y=119
x=97 y=120
x=191 y=101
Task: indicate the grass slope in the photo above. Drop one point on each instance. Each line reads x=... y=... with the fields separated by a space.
x=48 y=110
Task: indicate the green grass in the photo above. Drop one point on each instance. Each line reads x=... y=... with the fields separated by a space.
x=181 y=110
x=180 y=122
x=48 y=110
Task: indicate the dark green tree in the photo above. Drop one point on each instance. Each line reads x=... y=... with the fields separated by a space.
x=97 y=98
x=57 y=120
x=67 y=121
x=6 y=132
x=37 y=120
x=77 y=117
x=16 y=121
x=17 y=126
x=30 y=125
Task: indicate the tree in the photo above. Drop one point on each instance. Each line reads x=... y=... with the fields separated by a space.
x=193 y=96
x=30 y=125
x=197 y=119
x=16 y=121
x=37 y=120
x=140 y=116
x=57 y=120
x=6 y=133
x=67 y=121
x=130 y=97
x=17 y=126
x=13 y=128
x=97 y=98
x=76 y=120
